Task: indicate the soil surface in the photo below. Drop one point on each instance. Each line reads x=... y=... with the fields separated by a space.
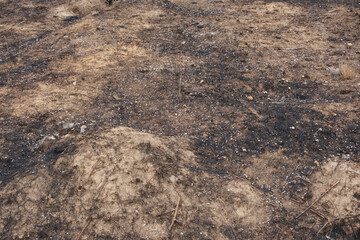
x=177 y=119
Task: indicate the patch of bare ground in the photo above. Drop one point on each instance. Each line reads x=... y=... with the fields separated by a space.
x=127 y=183
x=179 y=119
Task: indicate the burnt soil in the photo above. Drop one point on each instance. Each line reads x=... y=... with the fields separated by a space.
x=239 y=93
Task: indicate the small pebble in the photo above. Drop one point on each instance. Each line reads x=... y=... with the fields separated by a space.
x=317 y=163
x=68 y=125
x=46 y=142
x=172 y=178
x=250 y=98
x=334 y=71
x=82 y=128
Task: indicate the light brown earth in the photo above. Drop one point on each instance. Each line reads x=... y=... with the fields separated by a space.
x=179 y=119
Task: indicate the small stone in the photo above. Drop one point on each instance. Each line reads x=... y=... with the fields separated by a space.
x=82 y=128
x=317 y=163
x=292 y=127
x=349 y=44
x=46 y=142
x=334 y=71
x=250 y=98
x=68 y=125
x=173 y=178
x=305 y=76
x=202 y=81
x=74 y=83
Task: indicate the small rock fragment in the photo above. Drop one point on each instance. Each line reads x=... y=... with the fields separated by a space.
x=334 y=71
x=68 y=125
x=172 y=178
x=46 y=142
x=82 y=128
x=250 y=98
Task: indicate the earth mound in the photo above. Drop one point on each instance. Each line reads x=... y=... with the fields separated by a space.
x=128 y=184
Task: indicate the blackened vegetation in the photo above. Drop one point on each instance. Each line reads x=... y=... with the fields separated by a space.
x=286 y=122
x=226 y=128
x=21 y=154
x=109 y=2
x=299 y=130
x=54 y=222
x=227 y=133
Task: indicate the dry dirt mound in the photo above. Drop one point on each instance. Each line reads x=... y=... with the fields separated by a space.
x=127 y=184
x=251 y=112
x=341 y=202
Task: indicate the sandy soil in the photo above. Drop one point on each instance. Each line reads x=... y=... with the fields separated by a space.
x=179 y=119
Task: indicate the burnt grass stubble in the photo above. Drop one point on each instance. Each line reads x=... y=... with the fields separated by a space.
x=225 y=134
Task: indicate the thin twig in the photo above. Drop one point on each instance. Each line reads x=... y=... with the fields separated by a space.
x=337 y=219
x=322 y=195
x=175 y=214
x=84 y=228
x=317 y=213
x=312 y=209
x=180 y=74
x=160 y=214
x=323 y=227
x=304 y=179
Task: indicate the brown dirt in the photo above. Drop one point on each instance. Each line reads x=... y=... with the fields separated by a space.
x=245 y=111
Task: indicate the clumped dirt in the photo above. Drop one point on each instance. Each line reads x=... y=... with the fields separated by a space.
x=179 y=119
